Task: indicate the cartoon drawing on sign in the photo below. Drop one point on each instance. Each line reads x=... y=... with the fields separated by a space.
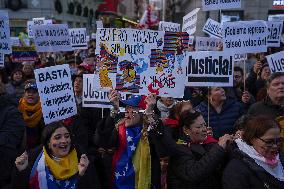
x=170 y=62
x=179 y=54
x=104 y=78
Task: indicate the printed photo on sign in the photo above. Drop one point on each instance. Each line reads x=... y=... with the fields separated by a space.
x=189 y=22
x=169 y=26
x=5 y=42
x=207 y=44
x=245 y=36
x=207 y=68
x=220 y=4
x=56 y=93
x=52 y=38
x=78 y=38
x=274 y=33
x=276 y=62
x=213 y=28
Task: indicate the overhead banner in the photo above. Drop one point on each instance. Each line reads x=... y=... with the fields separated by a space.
x=5 y=42
x=56 y=93
x=220 y=4
x=1 y=60
x=207 y=43
x=52 y=38
x=36 y=21
x=245 y=36
x=24 y=54
x=169 y=26
x=213 y=28
x=189 y=22
x=276 y=62
x=78 y=38
x=206 y=68
x=274 y=33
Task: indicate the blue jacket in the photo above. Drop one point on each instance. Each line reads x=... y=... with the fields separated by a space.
x=223 y=122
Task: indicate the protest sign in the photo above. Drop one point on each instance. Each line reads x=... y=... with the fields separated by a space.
x=99 y=24
x=30 y=25
x=207 y=43
x=5 y=42
x=38 y=21
x=245 y=36
x=206 y=68
x=191 y=40
x=276 y=62
x=52 y=38
x=169 y=26
x=93 y=36
x=24 y=54
x=15 y=41
x=189 y=22
x=78 y=38
x=1 y=60
x=220 y=4
x=274 y=35
x=213 y=28
x=56 y=93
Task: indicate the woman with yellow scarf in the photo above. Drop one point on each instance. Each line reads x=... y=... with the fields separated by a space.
x=30 y=108
x=55 y=165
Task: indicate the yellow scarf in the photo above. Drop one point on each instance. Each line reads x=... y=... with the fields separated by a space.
x=65 y=168
x=25 y=108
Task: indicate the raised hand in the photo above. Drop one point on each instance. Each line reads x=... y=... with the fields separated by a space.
x=22 y=161
x=150 y=101
x=114 y=98
x=83 y=164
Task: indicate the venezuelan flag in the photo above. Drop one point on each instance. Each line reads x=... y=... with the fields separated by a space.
x=132 y=161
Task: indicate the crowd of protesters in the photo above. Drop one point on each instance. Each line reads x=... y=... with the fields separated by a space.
x=215 y=137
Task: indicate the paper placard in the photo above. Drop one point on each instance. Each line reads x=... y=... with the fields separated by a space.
x=99 y=24
x=245 y=36
x=5 y=42
x=274 y=33
x=207 y=43
x=93 y=35
x=78 y=38
x=207 y=68
x=189 y=22
x=276 y=62
x=220 y=4
x=56 y=93
x=1 y=60
x=24 y=54
x=52 y=38
x=30 y=25
x=169 y=26
x=213 y=28
x=15 y=41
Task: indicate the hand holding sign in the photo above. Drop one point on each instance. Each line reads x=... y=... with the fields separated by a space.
x=114 y=98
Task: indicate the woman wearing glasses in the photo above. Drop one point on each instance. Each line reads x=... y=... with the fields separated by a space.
x=256 y=162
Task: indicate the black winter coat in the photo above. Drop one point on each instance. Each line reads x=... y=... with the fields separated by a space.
x=12 y=129
x=20 y=180
x=197 y=168
x=243 y=173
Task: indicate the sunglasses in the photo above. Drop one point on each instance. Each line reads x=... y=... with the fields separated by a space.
x=271 y=142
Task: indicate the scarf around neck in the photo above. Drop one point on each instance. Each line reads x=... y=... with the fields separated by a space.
x=274 y=168
x=27 y=109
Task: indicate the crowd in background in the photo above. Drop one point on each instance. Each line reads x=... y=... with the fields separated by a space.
x=214 y=137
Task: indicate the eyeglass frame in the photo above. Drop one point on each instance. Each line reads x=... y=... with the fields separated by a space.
x=276 y=141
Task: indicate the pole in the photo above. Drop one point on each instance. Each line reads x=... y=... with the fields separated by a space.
x=164 y=9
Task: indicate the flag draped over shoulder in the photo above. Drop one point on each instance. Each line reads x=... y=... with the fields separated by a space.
x=132 y=161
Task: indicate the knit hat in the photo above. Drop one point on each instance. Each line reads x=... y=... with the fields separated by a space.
x=135 y=101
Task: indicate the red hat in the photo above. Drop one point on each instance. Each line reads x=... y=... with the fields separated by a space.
x=86 y=66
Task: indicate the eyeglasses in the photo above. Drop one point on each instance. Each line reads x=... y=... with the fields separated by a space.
x=271 y=142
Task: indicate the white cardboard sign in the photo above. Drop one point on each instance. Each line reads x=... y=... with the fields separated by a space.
x=276 y=62
x=5 y=42
x=275 y=31
x=245 y=36
x=52 y=38
x=169 y=26
x=30 y=25
x=56 y=93
x=207 y=43
x=220 y=4
x=99 y=24
x=189 y=22
x=207 y=68
x=213 y=28
x=78 y=38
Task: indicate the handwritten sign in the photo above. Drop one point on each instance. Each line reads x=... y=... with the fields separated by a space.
x=78 y=38
x=1 y=60
x=24 y=54
x=206 y=68
x=169 y=26
x=245 y=36
x=274 y=33
x=5 y=43
x=15 y=41
x=56 y=93
x=207 y=43
x=189 y=22
x=276 y=62
x=220 y=4
x=36 y=21
x=213 y=28
x=52 y=38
